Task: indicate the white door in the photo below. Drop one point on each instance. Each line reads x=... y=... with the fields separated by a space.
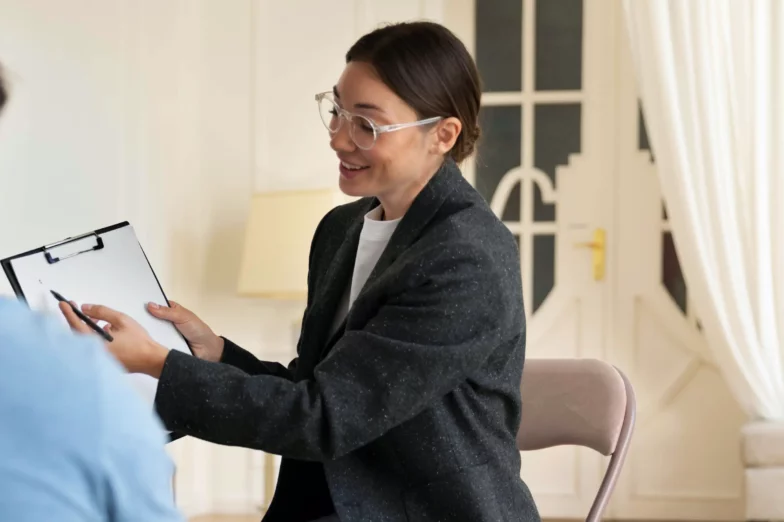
x=561 y=160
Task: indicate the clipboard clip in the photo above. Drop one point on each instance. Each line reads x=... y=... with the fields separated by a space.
x=52 y=259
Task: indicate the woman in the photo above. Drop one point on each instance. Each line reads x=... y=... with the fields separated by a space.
x=403 y=403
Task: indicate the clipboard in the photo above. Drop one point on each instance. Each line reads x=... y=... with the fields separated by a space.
x=106 y=266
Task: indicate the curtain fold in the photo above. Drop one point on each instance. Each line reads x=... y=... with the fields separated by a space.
x=711 y=79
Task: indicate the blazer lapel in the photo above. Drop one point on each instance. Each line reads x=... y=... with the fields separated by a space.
x=416 y=219
x=329 y=293
x=340 y=272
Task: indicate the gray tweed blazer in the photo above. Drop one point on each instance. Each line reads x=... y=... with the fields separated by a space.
x=409 y=412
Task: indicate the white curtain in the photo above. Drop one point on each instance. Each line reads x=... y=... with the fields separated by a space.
x=711 y=79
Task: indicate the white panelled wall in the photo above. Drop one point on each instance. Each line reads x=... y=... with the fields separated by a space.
x=170 y=113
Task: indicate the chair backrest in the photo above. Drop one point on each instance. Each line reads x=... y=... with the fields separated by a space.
x=583 y=402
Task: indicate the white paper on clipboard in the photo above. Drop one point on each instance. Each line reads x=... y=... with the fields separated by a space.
x=106 y=267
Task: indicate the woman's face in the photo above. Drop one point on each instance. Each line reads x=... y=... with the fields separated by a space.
x=401 y=162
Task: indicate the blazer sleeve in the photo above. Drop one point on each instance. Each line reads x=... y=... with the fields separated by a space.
x=247 y=362
x=421 y=344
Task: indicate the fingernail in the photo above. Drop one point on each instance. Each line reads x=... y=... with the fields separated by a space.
x=86 y=308
x=154 y=306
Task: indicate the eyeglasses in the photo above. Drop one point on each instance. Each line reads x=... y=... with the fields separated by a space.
x=363 y=131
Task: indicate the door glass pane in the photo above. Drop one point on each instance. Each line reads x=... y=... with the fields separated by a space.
x=499 y=44
x=671 y=272
x=544 y=268
x=557 y=134
x=672 y=276
x=512 y=211
x=499 y=149
x=543 y=212
x=642 y=132
x=559 y=45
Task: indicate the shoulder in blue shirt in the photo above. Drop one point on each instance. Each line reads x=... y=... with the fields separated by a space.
x=77 y=442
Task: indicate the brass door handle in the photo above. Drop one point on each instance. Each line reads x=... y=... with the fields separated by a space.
x=598 y=248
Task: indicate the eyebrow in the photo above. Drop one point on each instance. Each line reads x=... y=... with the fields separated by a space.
x=369 y=106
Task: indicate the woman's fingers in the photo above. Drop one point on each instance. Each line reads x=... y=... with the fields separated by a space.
x=173 y=313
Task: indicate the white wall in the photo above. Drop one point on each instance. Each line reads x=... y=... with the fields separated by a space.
x=170 y=113
x=301 y=47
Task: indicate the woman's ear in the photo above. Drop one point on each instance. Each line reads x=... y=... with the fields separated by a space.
x=446 y=134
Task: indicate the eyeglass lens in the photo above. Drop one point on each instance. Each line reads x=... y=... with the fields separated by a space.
x=360 y=128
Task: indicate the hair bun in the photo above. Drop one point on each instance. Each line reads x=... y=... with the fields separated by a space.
x=466 y=143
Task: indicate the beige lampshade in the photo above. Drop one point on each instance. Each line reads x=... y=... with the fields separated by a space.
x=277 y=241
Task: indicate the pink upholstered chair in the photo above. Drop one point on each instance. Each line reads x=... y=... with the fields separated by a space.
x=582 y=402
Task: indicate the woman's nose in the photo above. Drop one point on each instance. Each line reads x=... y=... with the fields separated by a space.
x=341 y=141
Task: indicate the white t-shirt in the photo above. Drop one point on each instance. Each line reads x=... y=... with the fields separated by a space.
x=373 y=240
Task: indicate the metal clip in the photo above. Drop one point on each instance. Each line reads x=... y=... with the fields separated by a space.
x=52 y=259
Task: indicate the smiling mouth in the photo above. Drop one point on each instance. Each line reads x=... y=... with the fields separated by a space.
x=349 y=166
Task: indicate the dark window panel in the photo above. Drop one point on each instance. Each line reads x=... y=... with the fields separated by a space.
x=544 y=269
x=672 y=276
x=557 y=134
x=642 y=131
x=499 y=44
x=542 y=211
x=512 y=212
x=643 y=143
x=559 y=45
x=499 y=149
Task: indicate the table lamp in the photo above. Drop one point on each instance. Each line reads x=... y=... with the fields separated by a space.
x=277 y=242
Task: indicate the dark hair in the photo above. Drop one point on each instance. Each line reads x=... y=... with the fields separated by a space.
x=429 y=68
x=3 y=92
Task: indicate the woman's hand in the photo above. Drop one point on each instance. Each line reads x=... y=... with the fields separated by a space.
x=203 y=341
x=132 y=346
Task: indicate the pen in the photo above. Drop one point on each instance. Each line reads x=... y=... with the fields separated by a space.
x=103 y=333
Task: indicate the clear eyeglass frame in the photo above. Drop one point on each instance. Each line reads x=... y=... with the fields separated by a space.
x=370 y=130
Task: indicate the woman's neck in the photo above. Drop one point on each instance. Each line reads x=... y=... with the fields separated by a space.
x=394 y=206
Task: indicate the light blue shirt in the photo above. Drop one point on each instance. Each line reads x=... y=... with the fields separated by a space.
x=77 y=442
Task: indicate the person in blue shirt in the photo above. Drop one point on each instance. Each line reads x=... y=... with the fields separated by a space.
x=77 y=442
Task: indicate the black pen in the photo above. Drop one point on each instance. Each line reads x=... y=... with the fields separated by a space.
x=89 y=322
